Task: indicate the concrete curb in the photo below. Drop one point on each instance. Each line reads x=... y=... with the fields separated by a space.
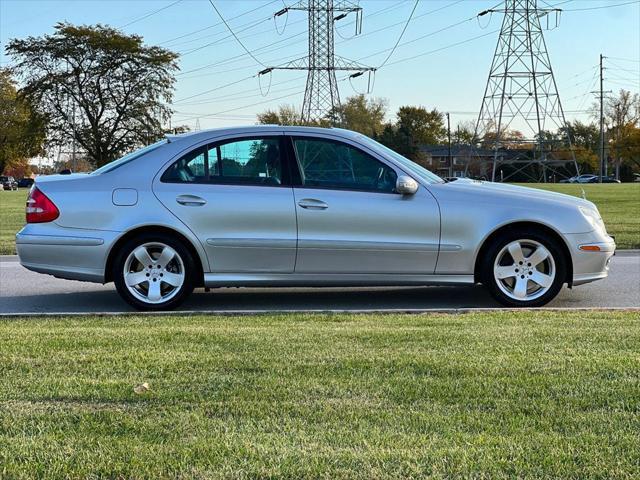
x=228 y=313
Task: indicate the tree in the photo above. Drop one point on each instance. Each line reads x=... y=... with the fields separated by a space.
x=464 y=134
x=622 y=119
x=22 y=130
x=362 y=115
x=585 y=138
x=286 y=115
x=415 y=126
x=103 y=89
x=422 y=126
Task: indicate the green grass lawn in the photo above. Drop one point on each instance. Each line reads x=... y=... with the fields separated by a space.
x=486 y=395
x=619 y=205
x=12 y=205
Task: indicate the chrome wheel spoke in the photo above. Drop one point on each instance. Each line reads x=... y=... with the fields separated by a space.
x=503 y=272
x=520 y=290
x=173 y=279
x=135 y=278
x=541 y=279
x=539 y=256
x=166 y=256
x=154 y=291
x=515 y=250
x=143 y=256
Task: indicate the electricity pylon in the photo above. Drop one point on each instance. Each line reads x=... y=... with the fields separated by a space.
x=521 y=93
x=321 y=95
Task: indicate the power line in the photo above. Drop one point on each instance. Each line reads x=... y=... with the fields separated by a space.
x=239 y=57
x=240 y=28
x=624 y=59
x=245 y=106
x=443 y=48
x=217 y=24
x=373 y=54
x=601 y=6
x=221 y=40
x=415 y=5
x=238 y=96
x=375 y=13
x=204 y=101
x=215 y=88
x=234 y=35
x=150 y=14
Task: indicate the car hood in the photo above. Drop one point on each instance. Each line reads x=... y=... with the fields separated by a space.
x=506 y=191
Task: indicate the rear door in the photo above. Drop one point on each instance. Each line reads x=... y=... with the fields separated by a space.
x=236 y=196
x=351 y=220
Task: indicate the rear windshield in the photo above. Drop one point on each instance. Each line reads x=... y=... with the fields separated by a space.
x=129 y=157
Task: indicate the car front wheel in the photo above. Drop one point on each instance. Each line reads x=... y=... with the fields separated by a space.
x=154 y=272
x=524 y=269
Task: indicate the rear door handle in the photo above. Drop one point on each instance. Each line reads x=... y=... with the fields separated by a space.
x=190 y=200
x=312 y=204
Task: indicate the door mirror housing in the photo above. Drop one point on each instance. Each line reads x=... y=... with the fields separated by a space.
x=406 y=185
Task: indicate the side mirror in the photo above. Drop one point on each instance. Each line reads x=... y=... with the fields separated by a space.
x=406 y=185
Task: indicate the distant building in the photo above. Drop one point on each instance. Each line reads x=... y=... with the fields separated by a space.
x=513 y=165
x=465 y=160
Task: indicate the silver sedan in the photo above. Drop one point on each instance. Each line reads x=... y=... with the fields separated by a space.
x=293 y=206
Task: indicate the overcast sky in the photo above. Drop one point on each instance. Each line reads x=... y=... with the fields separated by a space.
x=444 y=75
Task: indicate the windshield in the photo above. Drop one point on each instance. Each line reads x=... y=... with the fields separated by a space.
x=128 y=157
x=411 y=166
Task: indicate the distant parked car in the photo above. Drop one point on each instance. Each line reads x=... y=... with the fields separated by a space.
x=25 y=182
x=585 y=178
x=604 y=180
x=9 y=183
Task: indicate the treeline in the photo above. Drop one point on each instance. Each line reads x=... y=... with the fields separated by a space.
x=414 y=126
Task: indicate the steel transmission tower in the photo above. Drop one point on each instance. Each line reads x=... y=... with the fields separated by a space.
x=521 y=94
x=321 y=95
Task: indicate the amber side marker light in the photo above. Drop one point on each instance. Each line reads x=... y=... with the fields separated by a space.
x=590 y=248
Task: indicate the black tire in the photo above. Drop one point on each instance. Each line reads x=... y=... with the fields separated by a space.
x=182 y=251
x=496 y=247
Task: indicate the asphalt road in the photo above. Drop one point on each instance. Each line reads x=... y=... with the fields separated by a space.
x=22 y=291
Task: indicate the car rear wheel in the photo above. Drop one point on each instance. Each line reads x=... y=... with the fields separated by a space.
x=154 y=272
x=524 y=268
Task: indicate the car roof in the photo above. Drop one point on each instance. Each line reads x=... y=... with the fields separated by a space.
x=215 y=132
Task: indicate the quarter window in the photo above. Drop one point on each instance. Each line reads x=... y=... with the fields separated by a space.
x=328 y=164
x=190 y=168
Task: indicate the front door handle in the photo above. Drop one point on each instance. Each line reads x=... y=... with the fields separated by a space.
x=312 y=204
x=190 y=200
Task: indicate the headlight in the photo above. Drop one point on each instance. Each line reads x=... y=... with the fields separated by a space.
x=593 y=217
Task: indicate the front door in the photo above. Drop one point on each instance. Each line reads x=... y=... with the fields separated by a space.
x=351 y=220
x=236 y=197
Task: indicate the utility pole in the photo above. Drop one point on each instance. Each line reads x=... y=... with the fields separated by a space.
x=73 y=144
x=449 y=140
x=321 y=95
x=602 y=159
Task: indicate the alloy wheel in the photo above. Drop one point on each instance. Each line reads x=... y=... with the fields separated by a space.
x=524 y=270
x=154 y=273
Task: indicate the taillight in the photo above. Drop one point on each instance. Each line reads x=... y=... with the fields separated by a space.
x=40 y=208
